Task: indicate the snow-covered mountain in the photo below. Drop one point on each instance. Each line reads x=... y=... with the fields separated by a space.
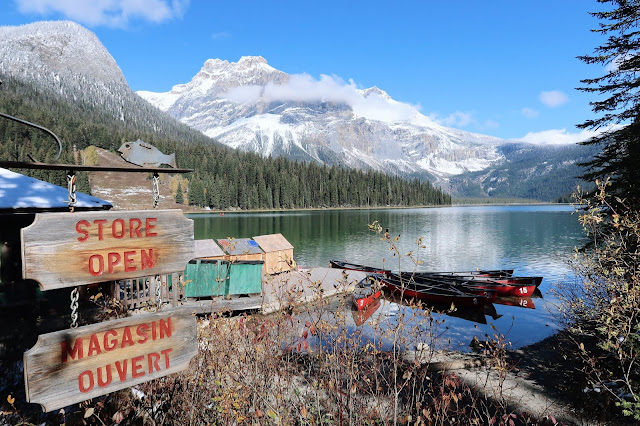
x=252 y=106
x=66 y=60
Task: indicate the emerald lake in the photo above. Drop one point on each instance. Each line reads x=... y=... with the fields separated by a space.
x=534 y=240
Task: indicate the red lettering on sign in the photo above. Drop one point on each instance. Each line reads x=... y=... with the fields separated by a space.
x=84 y=232
x=75 y=351
x=110 y=345
x=87 y=379
x=88 y=374
x=94 y=346
x=119 y=228
x=122 y=369
x=113 y=260
x=100 y=222
x=143 y=332
x=92 y=265
x=114 y=232
x=149 y=224
x=101 y=382
x=166 y=353
x=134 y=227
x=153 y=360
x=165 y=328
x=146 y=259
x=128 y=261
x=127 y=339
x=136 y=367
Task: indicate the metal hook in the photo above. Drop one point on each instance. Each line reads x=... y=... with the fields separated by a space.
x=10 y=117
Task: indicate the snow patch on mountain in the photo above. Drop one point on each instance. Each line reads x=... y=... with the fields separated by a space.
x=252 y=106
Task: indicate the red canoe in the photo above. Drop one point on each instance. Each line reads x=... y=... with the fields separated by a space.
x=487 y=273
x=362 y=315
x=511 y=286
x=437 y=294
x=367 y=292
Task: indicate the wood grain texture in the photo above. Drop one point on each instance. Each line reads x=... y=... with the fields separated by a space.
x=68 y=249
x=55 y=376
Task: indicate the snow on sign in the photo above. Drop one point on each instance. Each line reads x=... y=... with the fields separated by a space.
x=69 y=249
x=69 y=366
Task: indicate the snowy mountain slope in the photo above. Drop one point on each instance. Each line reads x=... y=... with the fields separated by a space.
x=67 y=60
x=251 y=106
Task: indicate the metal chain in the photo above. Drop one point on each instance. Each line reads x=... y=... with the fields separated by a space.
x=158 y=284
x=71 y=183
x=74 y=307
x=156 y=190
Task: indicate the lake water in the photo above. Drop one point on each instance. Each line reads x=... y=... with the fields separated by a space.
x=532 y=240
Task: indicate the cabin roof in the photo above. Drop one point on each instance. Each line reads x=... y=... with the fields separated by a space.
x=273 y=242
x=20 y=193
x=237 y=246
x=207 y=248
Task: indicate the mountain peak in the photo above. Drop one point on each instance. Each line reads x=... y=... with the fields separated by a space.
x=252 y=60
x=63 y=47
x=375 y=90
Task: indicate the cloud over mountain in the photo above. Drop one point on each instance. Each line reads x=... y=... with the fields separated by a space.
x=110 y=13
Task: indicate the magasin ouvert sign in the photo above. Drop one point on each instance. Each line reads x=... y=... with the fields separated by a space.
x=69 y=249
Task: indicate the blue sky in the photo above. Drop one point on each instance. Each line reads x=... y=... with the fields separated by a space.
x=499 y=67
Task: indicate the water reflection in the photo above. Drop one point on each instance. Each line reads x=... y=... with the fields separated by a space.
x=533 y=240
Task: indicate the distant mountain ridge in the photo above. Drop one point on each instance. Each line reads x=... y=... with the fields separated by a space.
x=252 y=106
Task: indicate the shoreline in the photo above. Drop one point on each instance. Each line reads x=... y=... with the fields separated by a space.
x=240 y=211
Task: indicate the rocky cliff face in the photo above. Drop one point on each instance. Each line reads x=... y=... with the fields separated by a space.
x=252 y=106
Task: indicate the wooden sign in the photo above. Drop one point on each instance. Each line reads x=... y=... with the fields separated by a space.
x=70 y=366
x=68 y=249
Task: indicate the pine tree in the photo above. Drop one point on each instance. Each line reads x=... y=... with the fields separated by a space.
x=179 y=196
x=620 y=108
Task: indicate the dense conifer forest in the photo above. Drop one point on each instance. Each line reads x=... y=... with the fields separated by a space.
x=223 y=178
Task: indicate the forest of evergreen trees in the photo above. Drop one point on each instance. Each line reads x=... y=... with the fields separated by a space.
x=223 y=178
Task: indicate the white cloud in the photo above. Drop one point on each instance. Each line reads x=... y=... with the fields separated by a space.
x=456 y=119
x=111 y=13
x=220 y=35
x=557 y=137
x=553 y=98
x=529 y=112
x=304 y=88
x=490 y=124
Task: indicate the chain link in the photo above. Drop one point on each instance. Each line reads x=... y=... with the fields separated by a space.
x=156 y=190
x=158 y=284
x=74 y=307
x=71 y=183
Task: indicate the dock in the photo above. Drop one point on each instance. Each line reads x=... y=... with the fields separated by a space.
x=282 y=290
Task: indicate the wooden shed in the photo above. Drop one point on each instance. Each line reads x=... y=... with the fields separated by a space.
x=278 y=253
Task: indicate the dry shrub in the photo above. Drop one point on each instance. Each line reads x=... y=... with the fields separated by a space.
x=600 y=307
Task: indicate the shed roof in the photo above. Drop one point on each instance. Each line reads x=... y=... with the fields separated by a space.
x=237 y=246
x=273 y=242
x=23 y=193
x=207 y=248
